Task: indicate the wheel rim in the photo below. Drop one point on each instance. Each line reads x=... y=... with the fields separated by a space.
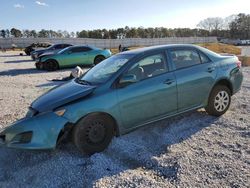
x=221 y=101
x=96 y=133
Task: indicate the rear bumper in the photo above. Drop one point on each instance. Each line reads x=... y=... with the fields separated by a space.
x=236 y=78
x=38 y=132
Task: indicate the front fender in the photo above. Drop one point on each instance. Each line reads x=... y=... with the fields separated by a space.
x=45 y=129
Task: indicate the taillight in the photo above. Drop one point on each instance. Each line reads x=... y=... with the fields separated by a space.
x=238 y=63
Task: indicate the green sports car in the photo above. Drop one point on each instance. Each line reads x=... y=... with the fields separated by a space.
x=71 y=57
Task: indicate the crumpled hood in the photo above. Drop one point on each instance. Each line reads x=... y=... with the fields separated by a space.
x=61 y=95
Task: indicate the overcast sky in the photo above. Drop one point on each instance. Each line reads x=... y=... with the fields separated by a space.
x=75 y=15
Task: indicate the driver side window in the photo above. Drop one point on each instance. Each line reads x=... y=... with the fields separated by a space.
x=147 y=67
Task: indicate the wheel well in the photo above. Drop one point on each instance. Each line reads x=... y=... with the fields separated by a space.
x=52 y=60
x=226 y=83
x=99 y=56
x=66 y=131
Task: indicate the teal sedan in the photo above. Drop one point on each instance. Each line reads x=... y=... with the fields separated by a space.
x=71 y=57
x=127 y=91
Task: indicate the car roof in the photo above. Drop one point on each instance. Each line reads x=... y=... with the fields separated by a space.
x=158 y=47
x=145 y=50
x=61 y=44
x=76 y=46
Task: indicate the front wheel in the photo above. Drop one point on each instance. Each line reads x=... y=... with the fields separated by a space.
x=39 y=66
x=51 y=65
x=219 y=100
x=93 y=133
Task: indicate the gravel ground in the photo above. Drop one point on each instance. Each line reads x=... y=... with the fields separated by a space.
x=245 y=51
x=190 y=150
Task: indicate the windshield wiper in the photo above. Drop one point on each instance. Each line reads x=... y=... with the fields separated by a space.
x=83 y=82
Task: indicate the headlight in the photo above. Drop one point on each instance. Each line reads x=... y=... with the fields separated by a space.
x=60 y=112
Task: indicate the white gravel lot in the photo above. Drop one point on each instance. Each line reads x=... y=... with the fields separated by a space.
x=245 y=51
x=190 y=150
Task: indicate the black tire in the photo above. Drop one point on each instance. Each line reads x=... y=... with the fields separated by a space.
x=27 y=52
x=51 y=65
x=93 y=133
x=98 y=59
x=219 y=100
x=39 y=66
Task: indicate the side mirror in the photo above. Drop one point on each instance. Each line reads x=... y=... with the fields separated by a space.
x=127 y=79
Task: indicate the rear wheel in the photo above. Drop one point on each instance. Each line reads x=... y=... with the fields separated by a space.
x=51 y=65
x=219 y=100
x=93 y=133
x=98 y=59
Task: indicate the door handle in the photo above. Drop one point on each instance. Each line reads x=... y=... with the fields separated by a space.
x=168 y=81
x=210 y=69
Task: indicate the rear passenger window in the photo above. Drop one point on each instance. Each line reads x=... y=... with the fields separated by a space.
x=86 y=49
x=76 y=49
x=185 y=58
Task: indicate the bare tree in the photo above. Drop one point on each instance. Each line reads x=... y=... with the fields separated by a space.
x=211 y=24
x=72 y=34
x=228 y=20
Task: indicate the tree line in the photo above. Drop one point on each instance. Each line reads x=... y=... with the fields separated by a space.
x=35 y=34
x=234 y=27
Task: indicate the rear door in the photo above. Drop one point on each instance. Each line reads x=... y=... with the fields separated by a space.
x=153 y=95
x=195 y=75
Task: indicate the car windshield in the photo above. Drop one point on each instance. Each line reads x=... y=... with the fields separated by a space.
x=104 y=70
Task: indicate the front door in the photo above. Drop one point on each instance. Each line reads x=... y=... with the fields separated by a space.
x=74 y=56
x=151 y=96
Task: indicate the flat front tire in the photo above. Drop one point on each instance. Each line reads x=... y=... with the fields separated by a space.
x=93 y=133
x=219 y=100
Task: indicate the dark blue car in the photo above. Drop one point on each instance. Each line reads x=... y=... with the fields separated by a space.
x=50 y=50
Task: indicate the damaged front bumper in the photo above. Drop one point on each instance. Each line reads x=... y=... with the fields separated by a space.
x=38 y=132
